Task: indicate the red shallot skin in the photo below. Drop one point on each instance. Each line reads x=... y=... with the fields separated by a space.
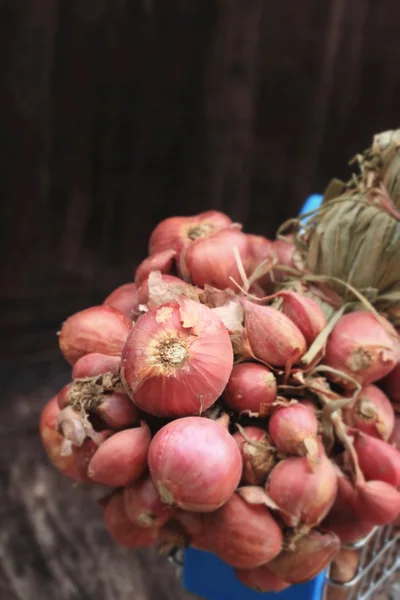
x=395 y=437
x=94 y=364
x=175 y=231
x=122 y=530
x=242 y=535
x=378 y=502
x=144 y=506
x=261 y=579
x=258 y=458
x=312 y=554
x=124 y=299
x=211 y=260
x=391 y=384
x=378 y=460
x=303 y=493
x=344 y=519
x=371 y=413
x=100 y=329
x=159 y=261
x=122 y=458
x=304 y=312
x=359 y=346
x=177 y=360
x=117 y=411
x=251 y=386
x=290 y=427
x=72 y=464
x=272 y=336
x=195 y=464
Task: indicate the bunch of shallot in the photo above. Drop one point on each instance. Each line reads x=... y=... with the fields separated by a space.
x=225 y=411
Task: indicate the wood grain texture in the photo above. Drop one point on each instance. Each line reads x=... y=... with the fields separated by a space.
x=116 y=114
x=52 y=540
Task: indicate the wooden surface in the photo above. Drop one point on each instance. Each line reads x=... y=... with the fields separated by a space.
x=52 y=541
x=117 y=113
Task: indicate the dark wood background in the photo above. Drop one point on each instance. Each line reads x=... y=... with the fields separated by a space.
x=113 y=115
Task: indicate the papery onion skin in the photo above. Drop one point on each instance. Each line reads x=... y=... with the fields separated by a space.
x=261 y=579
x=176 y=288
x=74 y=463
x=371 y=412
x=304 y=312
x=175 y=231
x=195 y=464
x=312 y=554
x=123 y=298
x=211 y=260
x=186 y=382
x=144 y=506
x=272 y=336
x=94 y=364
x=242 y=535
x=304 y=494
x=101 y=329
x=122 y=458
x=360 y=347
x=252 y=387
x=258 y=458
x=290 y=427
x=378 y=460
x=378 y=502
x=122 y=530
x=159 y=261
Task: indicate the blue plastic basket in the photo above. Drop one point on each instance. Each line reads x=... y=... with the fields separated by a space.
x=208 y=576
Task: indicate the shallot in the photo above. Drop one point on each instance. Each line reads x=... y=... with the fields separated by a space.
x=378 y=460
x=257 y=454
x=304 y=494
x=70 y=460
x=195 y=464
x=177 y=360
x=251 y=387
x=124 y=299
x=371 y=412
x=304 y=312
x=144 y=506
x=294 y=429
x=101 y=329
x=272 y=336
x=159 y=261
x=177 y=231
x=313 y=553
x=244 y=536
x=122 y=458
x=122 y=530
x=361 y=347
x=212 y=261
